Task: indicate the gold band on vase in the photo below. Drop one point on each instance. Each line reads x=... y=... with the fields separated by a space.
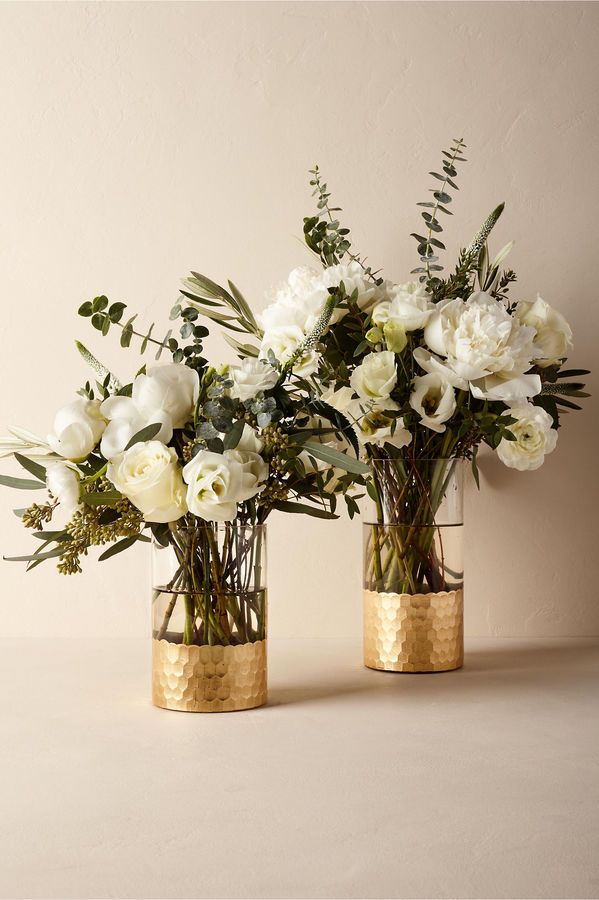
x=414 y=632
x=215 y=678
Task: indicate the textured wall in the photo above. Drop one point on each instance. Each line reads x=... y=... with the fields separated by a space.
x=142 y=140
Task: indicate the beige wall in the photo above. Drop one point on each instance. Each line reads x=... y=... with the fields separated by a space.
x=142 y=140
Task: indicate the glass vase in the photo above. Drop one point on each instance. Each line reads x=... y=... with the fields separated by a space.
x=209 y=618
x=413 y=583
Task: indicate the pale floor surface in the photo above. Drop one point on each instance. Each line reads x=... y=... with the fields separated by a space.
x=351 y=783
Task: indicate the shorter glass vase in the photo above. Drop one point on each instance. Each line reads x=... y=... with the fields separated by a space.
x=413 y=596
x=209 y=618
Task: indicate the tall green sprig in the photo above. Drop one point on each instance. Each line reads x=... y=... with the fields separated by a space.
x=427 y=243
x=324 y=234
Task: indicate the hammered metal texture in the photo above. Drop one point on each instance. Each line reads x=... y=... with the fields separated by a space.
x=208 y=679
x=414 y=632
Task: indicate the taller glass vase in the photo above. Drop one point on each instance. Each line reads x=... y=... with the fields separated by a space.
x=413 y=584
x=209 y=618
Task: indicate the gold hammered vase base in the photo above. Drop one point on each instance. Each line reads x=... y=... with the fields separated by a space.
x=191 y=678
x=414 y=632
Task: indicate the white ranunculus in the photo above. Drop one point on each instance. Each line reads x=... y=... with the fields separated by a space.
x=217 y=482
x=375 y=377
x=63 y=483
x=433 y=398
x=252 y=377
x=149 y=475
x=77 y=429
x=484 y=346
x=373 y=425
x=172 y=388
x=249 y=440
x=553 y=334
x=409 y=305
x=535 y=437
x=284 y=341
x=125 y=420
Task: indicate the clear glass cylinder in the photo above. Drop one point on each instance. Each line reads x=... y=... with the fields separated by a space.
x=209 y=618
x=413 y=573
x=413 y=526
x=209 y=585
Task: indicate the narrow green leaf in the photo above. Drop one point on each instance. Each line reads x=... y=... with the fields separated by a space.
x=303 y=508
x=145 y=434
x=336 y=458
x=32 y=467
x=23 y=484
x=233 y=436
x=122 y=545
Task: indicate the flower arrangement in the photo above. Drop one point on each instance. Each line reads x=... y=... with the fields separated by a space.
x=420 y=371
x=193 y=456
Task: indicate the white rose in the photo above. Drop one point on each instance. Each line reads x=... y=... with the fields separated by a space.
x=375 y=377
x=63 y=483
x=535 y=437
x=125 y=420
x=252 y=377
x=77 y=429
x=484 y=347
x=284 y=341
x=218 y=482
x=433 y=398
x=172 y=389
x=410 y=305
x=553 y=334
x=149 y=475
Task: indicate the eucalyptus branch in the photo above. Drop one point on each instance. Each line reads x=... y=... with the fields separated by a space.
x=428 y=243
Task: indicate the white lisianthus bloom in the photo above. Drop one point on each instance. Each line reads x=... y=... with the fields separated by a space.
x=172 y=388
x=249 y=440
x=284 y=341
x=77 y=429
x=125 y=420
x=63 y=483
x=375 y=377
x=484 y=346
x=373 y=425
x=217 y=482
x=535 y=437
x=433 y=398
x=252 y=377
x=410 y=305
x=553 y=334
x=149 y=475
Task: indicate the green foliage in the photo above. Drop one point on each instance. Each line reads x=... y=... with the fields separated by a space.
x=324 y=234
x=210 y=299
x=428 y=245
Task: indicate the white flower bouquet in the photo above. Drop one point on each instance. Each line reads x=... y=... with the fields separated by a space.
x=421 y=371
x=191 y=456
